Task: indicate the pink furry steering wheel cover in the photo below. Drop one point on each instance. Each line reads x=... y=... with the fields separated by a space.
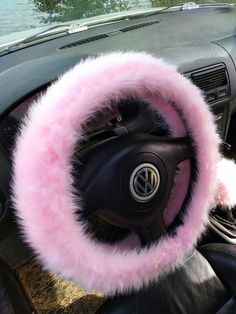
x=42 y=170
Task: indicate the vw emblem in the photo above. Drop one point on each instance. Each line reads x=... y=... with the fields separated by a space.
x=144 y=182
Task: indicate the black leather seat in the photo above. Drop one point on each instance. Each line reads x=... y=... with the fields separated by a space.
x=205 y=284
x=222 y=258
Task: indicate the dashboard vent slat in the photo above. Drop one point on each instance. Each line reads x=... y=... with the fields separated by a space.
x=216 y=82
x=109 y=34
x=84 y=41
x=137 y=26
x=209 y=78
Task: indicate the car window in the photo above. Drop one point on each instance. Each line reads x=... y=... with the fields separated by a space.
x=22 y=15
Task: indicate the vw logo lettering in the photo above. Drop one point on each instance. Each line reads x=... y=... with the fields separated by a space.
x=144 y=182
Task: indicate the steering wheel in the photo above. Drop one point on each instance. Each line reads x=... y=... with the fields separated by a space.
x=126 y=180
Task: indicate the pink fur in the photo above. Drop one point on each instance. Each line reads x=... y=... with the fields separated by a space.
x=180 y=189
x=226 y=172
x=43 y=185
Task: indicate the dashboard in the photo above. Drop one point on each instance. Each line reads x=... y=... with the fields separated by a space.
x=200 y=43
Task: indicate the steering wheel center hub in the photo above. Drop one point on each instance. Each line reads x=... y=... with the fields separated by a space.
x=144 y=182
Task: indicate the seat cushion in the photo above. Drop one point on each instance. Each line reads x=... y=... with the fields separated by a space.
x=194 y=288
x=229 y=307
x=222 y=258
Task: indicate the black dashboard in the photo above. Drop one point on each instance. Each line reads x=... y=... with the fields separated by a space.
x=201 y=43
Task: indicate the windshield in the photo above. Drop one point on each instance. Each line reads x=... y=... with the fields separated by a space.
x=22 y=15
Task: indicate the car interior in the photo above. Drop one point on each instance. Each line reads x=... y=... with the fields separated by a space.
x=117 y=167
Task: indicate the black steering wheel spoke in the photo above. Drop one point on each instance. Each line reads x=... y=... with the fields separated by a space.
x=151 y=232
x=173 y=151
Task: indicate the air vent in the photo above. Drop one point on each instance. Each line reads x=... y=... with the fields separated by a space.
x=109 y=34
x=84 y=41
x=137 y=26
x=210 y=78
x=213 y=81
